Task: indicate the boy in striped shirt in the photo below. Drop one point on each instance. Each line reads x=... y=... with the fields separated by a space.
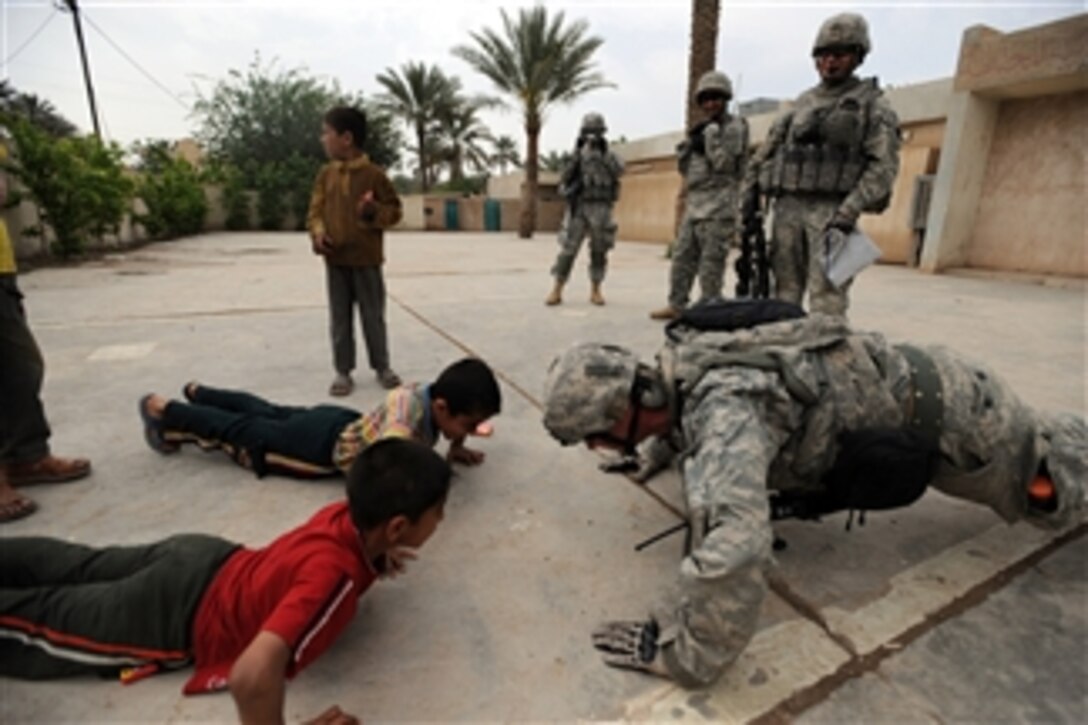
x=324 y=440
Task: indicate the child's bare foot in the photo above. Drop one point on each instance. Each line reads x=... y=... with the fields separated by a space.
x=151 y=409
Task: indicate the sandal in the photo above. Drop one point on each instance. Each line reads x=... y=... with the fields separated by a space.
x=342 y=385
x=48 y=469
x=388 y=379
x=153 y=429
x=17 y=508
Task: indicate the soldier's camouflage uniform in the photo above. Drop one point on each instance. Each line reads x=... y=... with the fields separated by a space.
x=589 y=210
x=763 y=408
x=709 y=226
x=835 y=150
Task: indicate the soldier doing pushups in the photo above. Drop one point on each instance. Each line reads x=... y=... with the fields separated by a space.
x=806 y=411
x=832 y=156
x=590 y=183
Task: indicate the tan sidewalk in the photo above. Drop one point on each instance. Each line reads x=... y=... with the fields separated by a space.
x=493 y=622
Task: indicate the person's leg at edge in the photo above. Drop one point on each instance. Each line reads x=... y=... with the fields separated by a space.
x=24 y=431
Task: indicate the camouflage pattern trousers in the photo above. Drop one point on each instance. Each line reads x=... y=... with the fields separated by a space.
x=701 y=249
x=797 y=254
x=593 y=218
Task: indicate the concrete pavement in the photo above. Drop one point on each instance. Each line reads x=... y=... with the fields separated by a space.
x=938 y=611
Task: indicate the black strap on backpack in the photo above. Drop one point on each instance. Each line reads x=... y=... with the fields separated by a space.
x=729 y=315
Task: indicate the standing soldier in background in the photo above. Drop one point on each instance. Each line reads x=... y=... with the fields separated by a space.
x=711 y=160
x=591 y=184
x=829 y=158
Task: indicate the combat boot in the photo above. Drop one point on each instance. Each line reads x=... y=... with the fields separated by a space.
x=595 y=295
x=668 y=312
x=556 y=295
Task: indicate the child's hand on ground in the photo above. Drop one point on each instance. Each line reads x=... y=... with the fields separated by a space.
x=366 y=208
x=467 y=456
x=322 y=243
x=396 y=561
x=334 y=716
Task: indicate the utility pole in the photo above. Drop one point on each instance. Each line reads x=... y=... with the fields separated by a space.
x=86 y=68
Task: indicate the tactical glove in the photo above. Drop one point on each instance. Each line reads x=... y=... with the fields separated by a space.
x=599 y=143
x=579 y=143
x=696 y=140
x=630 y=645
x=843 y=221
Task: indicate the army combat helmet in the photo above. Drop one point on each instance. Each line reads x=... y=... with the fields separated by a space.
x=588 y=390
x=714 y=81
x=843 y=31
x=593 y=123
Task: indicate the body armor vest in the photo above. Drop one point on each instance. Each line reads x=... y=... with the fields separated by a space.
x=823 y=149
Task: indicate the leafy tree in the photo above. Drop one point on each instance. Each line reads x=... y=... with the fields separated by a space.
x=38 y=111
x=173 y=191
x=536 y=62
x=418 y=95
x=266 y=123
x=506 y=153
x=77 y=184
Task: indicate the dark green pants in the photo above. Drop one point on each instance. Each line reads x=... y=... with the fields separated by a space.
x=68 y=609
x=24 y=432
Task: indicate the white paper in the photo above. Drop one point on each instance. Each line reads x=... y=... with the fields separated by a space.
x=848 y=254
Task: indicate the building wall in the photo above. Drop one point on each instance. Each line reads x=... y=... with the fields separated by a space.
x=1031 y=214
x=646 y=209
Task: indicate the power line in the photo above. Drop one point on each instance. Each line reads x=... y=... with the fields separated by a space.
x=133 y=62
x=29 y=40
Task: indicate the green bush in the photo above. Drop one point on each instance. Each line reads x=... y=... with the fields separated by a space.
x=77 y=184
x=271 y=202
x=173 y=191
x=235 y=199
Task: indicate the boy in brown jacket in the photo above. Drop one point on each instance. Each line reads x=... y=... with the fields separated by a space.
x=353 y=202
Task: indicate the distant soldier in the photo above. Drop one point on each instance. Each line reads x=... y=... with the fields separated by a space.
x=825 y=418
x=711 y=160
x=829 y=158
x=591 y=184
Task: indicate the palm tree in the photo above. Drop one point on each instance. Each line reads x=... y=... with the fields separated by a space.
x=537 y=61
x=555 y=161
x=417 y=95
x=38 y=111
x=506 y=152
x=702 y=51
x=702 y=56
x=462 y=134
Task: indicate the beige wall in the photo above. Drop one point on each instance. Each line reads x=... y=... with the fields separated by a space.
x=646 y=209
x=1031 y=210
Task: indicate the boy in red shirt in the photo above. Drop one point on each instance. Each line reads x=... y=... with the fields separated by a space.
x=250 y=619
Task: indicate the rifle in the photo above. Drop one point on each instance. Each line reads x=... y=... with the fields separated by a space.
x=753 y=268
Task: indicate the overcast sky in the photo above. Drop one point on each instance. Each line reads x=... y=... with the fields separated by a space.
x=763 y=45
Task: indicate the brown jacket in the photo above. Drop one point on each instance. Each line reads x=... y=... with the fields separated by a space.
x=337 y=190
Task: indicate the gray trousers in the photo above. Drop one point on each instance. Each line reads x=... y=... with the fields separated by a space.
x=348 y=287
x=24 y=432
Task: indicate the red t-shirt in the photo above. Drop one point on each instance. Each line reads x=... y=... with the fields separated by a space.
x=303 y=587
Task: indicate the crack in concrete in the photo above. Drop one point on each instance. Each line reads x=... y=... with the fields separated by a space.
x=858 y=665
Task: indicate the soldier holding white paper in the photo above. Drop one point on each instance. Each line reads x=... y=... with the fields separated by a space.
x=832 y=156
